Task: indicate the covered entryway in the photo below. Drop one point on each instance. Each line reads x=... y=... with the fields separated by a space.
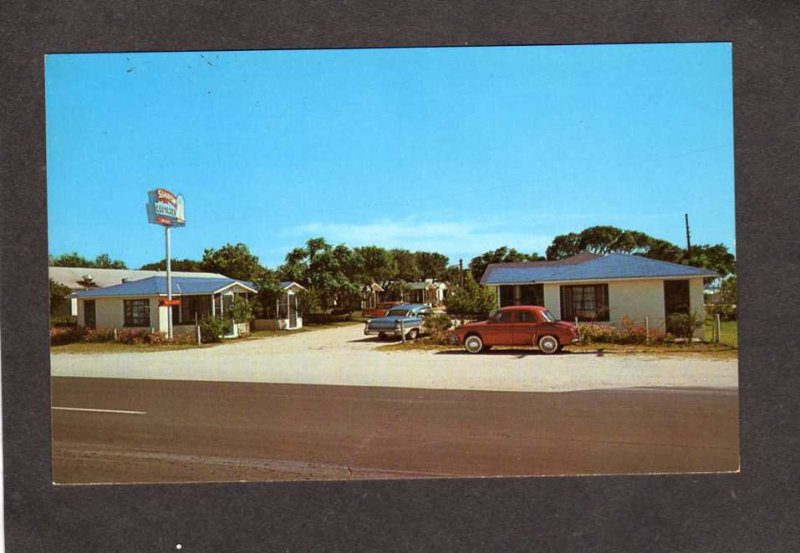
x=676 y=299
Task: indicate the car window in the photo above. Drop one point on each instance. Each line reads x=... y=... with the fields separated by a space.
x=425 y=312
x=398 y=313
x=549 y=317
x=528 y=317
x=504 y=316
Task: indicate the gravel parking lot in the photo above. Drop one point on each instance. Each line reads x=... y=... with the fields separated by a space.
x=343 y=356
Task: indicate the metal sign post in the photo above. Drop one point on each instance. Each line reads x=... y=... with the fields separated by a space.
x=166 y=209
x=169 y=284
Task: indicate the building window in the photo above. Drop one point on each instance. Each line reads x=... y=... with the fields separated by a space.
x=587 y=303
x=137 y=312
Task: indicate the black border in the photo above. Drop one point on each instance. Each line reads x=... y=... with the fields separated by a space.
x=751 y=511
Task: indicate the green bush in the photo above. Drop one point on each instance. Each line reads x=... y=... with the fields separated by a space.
x=684 y=325
x=439 y=327
x=241 y=310
x=212 y=329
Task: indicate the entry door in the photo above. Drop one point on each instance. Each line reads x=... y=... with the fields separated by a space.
x=89 y=314
x=292 y=310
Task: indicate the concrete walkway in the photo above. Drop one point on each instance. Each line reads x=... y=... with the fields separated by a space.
x=343 y=356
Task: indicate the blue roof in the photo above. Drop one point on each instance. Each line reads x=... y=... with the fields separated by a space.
x=611 y=266
x=157 y=286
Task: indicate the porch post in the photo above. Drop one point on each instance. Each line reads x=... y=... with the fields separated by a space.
x=213 y=307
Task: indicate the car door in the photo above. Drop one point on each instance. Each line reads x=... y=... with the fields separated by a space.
x=525 y=328
x=499 y=330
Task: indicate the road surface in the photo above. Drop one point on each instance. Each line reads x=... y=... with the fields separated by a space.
x=329 y=405
x=117 y=430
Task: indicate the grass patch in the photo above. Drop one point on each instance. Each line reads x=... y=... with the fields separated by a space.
x=729 y=332
x=722 y=351
x=117 y=347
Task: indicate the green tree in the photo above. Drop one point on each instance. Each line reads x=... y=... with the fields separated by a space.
x=602 y=240
x=73 y=259
x=234 y=261
x=477 y=265
x=188 y=265
x=432 y=265
x=59 y=299
x=377 y=265
x=715 y=258
x=407 y=267
x=471 y=299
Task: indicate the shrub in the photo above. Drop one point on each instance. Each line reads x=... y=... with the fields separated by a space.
x=212 y=329
x=439 y=326
x=241 y=310
x=684 y=325
x=94 y=335
x=593 y=333
x=132 y=336
x=66 y=335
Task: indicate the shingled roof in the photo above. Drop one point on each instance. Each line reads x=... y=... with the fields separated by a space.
x=588 y=266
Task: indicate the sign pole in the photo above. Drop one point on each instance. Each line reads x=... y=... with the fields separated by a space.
x=169 y=284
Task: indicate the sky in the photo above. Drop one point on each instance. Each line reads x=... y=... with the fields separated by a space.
x=456 y=150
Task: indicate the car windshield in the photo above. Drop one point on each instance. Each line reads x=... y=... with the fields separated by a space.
x=398 y=313
x=549 y=317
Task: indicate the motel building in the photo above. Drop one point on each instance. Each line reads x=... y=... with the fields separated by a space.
x=602 y=289
x=139 y=304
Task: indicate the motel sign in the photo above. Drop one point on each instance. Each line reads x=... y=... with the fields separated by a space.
x=166 y=209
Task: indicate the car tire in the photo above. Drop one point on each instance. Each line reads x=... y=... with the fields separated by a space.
x=381 y=335
x=548 y=344
x=413 y=334
x=473 y=344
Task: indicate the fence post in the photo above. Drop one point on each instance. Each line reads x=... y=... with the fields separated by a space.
x=717 y=328
x=403 y=330
x=116 y=336
x=197 y=329
x=647 y=330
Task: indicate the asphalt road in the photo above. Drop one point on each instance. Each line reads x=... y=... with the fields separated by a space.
x=189 y=431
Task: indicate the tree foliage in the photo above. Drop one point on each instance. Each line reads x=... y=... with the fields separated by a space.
x=188 y=265
x=59 y=298
x=602 y=240
x=234 y=261
x=74 y=259
x=471 y=299
x=504 y=254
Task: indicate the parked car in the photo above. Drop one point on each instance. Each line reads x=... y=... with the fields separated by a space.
x=520 y=325
x=381 y=310
x=406 y=317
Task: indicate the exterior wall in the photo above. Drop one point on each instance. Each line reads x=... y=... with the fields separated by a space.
x=552 y=299
x=637 y=299
x=109 y=313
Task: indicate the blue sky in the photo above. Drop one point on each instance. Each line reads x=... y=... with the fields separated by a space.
x=456 y=150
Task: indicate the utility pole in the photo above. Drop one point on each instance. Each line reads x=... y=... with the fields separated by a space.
x=688 y=235
x=461 y=271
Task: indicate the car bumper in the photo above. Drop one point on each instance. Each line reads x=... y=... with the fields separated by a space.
x=376 y=331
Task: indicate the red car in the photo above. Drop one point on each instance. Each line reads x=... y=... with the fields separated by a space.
x=520 y=325
x=381 y=310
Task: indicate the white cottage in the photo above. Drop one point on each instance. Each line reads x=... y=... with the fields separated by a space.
x=140 y=305
x=602 y=289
